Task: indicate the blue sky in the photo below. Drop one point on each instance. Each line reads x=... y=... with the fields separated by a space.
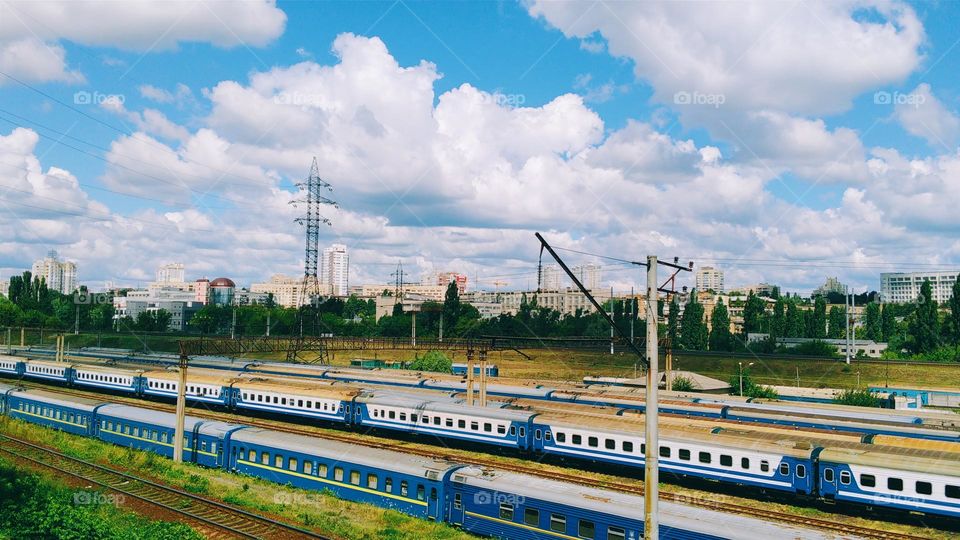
x=490 y=120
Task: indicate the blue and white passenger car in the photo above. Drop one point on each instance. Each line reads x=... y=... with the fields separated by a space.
x=320 y=400
x=52 y=371
x=409 y=484
x=73 y=415
x=107 y=378
x=10 y=365
x=202 y=385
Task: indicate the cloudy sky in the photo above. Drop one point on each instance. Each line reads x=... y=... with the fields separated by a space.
x=780 y=141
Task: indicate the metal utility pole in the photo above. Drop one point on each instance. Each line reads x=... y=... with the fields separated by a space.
x=651 y=475
x=613 y=314
x=440 y=338
x=470 y=365
x=76 y=322
x=483 y=378
x=268 y=322
x=633 y=314
x=9 y=343
x=313 y=189
x=233 y=325
x=413 y=329
x=178 y=442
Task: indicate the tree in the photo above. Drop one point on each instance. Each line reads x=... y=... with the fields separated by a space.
x=873 y=327
x=794 y=326
x=673 y=319
x=778 y=322
x=924 y=325
x=204 y=320
x=720 y=337
x=837 y=322
x=451 y=306
x=101 y=316
x=955 y=313
x=857 y=397
x=818 y=323
x=432 y=361
x=693 y=330
x=888 y=323
x=753 y=314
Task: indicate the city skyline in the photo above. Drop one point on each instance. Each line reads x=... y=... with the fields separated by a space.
x=194 y=127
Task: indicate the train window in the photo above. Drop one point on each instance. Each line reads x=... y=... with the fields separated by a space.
x=375 y=412
x=278 y=461
x=764 y=466
x=593 y=442
x=203 y=445
x=952 y=492
x=895 y=484
x=868 y=480
x=924 y=488
x=355 y=478
x=726 y=461
x=610 y=444
x=449 y=422
x=531 y=516
x=403 y=488
x=413 y=418
x=546 y=435
x=801 y=471
x=704 y=457
x=784 y=469
x=558 y=523
x=392 y=414
x=299 y=403
x=244 y=395
x=488 y=427
x=523 y=432
x=744 y=463
x=275 y=400
x=461 y=424
x=627 y=446
x=828 y=475
x=684 y=454
x=425 y=419
x=506 y=511
x=338 y=474
x=664 y=451
x=292 y=464
x=561 y=436
x=433 y=494
x=616 y=533
x=388 y=486
x=586 y=529
x=307 y=467
x=474 y=426
x=403 y=417
x=436 y=420
x=265 y=458
x=457 y=501
x=322 y=470
x=372 y=481
x=420 y=492
x=253 y=456
x=643 y=449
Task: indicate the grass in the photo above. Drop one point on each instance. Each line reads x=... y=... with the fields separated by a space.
x=318 y=510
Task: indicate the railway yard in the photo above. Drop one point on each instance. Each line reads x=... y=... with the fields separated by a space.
x=533 y=461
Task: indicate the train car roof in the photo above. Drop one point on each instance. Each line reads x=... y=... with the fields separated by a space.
x=4 y=388
x=907 y=430
x=919 y=444
x=688 y=518
x=305 y=388
x=288 y=367
x=388 y=399
x=101 y=368
x=787 y=445
x=50 y=363
x=194 y=375
x=901 y=459
x=53 y=398
x=339 y=451
x=147 y=416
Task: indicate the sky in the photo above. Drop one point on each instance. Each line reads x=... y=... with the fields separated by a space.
x=782 y=142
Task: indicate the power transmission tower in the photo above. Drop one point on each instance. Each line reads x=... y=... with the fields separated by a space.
x=313 y=189
x=398 y=282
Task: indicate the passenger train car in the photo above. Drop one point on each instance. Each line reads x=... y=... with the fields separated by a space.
x=482 y=501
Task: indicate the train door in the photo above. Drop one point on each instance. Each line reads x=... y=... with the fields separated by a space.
x=456 y=509
x=433 y=505
x=828 y=481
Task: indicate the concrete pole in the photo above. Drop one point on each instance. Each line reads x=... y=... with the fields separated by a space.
x=441 y=327
x=613 y=315
x=413 y=329
x=651 y=476
x=181 y=410
x=268 y=323
x=469 y=376
x=76 y=322
x=483 y=378
x=23 y=336
x=846 y=309
x=9 y=342
x=233 y=325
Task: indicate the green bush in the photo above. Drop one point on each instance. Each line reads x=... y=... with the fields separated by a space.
x=814 y=348
x=858 y=397
x=683 y=384
x=432 y=361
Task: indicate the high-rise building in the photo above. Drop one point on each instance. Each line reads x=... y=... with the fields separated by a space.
x=335 y=269
x=832 y=285
x=550 y=278
x=444 y=279
x=709 y=279
x=589 y=276
x=285 y=289
x=170 y=273
x=60 y=275
x=901 y=287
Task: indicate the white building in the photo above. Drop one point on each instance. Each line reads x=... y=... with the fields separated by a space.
x=709 y=279
x=170 y=273
x=589 y=276
x=60 y=275
x=900 y=287
x=285 y=289
x=550 y=278
x=335 y=269
x=566 y=301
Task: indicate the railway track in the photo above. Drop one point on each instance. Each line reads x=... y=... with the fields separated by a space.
x=214 y=518
x=634 y=488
